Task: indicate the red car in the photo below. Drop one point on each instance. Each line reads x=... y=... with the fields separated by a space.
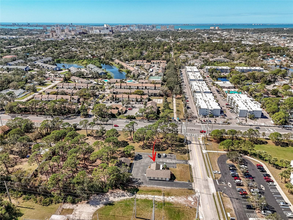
x=187 y=100
x=202 y=131
x=269 y=180
x=259 y=165
x=129 y=108
x=237 y=178
x=116 y=125
x=243 y=193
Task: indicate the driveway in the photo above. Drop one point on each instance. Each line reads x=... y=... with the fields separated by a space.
x=142 y=162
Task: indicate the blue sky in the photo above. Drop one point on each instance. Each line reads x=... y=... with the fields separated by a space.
x=147 y=11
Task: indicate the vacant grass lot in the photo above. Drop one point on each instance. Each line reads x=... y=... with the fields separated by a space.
x=32 y=210
x=145 y=190
x=276 y=151
x=181 y=172
x=124 y=210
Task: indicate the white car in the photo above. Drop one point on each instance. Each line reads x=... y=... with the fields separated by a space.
x=284 y=204
x=289 y=215
x=266 y=212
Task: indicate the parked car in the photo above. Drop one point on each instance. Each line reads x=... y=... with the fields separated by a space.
x=116 y=125
x=269 y=180
x=259 y=166
x=249 y=207
x=284 y=204
x=129 y=109
x=159 y=155
x=243 y=192
x=202 y=131
x=239 y=189
x=262 y=169
x=237 y=178
x=266 y=175
x=266 y=212
x=234 y=175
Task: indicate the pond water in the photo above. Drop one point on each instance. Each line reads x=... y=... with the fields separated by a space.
x=114 y=70
x=68 y=65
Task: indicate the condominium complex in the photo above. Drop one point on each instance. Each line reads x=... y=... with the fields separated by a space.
x=193 y=73
x=203 y=97
x=242 y=69
x=206 y=104
x=222 y=69
x=244 y=106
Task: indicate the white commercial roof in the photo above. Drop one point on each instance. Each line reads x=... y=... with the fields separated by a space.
x=199 y=86
x=217 y=67
x=193 y=73
x=206 y=100
x=245 y=103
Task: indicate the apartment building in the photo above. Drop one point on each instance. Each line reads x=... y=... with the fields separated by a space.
x=244 y=106
x=243 y=69
x=222 y=69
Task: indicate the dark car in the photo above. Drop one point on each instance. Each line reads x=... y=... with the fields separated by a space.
x=159 y=155
x=249 y=207
x=234 y=175
x=262 y=169
x=266 y=175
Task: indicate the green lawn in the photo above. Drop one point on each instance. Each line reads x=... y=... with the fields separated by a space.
x=276 y=151
x=32 y=210
x=124 y=210
x=23 y=97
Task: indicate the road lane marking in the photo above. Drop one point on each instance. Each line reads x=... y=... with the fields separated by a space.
x=197 y=160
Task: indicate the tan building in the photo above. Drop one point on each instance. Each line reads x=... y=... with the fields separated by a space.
x=154 y=172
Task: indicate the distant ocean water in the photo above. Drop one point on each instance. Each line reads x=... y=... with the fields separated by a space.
x=176 y=26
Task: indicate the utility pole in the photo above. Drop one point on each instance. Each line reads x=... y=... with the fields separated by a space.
x=153 y=214
x=7 y=191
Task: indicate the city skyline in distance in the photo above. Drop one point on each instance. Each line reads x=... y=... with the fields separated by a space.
x=148 y=12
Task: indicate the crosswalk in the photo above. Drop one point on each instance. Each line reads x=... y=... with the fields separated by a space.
x=270 y=129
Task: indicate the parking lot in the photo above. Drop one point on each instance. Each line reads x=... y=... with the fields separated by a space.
x=240 y=203
x=142 y=162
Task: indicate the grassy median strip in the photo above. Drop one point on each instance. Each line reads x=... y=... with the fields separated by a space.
x=205 y=164
x=209 y=165
x=219 y=217
x=224 y=214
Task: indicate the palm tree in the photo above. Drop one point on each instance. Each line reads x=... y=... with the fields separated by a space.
x=289 y=186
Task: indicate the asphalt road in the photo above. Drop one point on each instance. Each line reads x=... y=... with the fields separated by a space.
x=202 y=184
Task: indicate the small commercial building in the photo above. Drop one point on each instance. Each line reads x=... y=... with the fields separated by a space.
x=243 y=69
x=244 y=106
x=225 y=84
x=222 y=69
x=155 y=172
